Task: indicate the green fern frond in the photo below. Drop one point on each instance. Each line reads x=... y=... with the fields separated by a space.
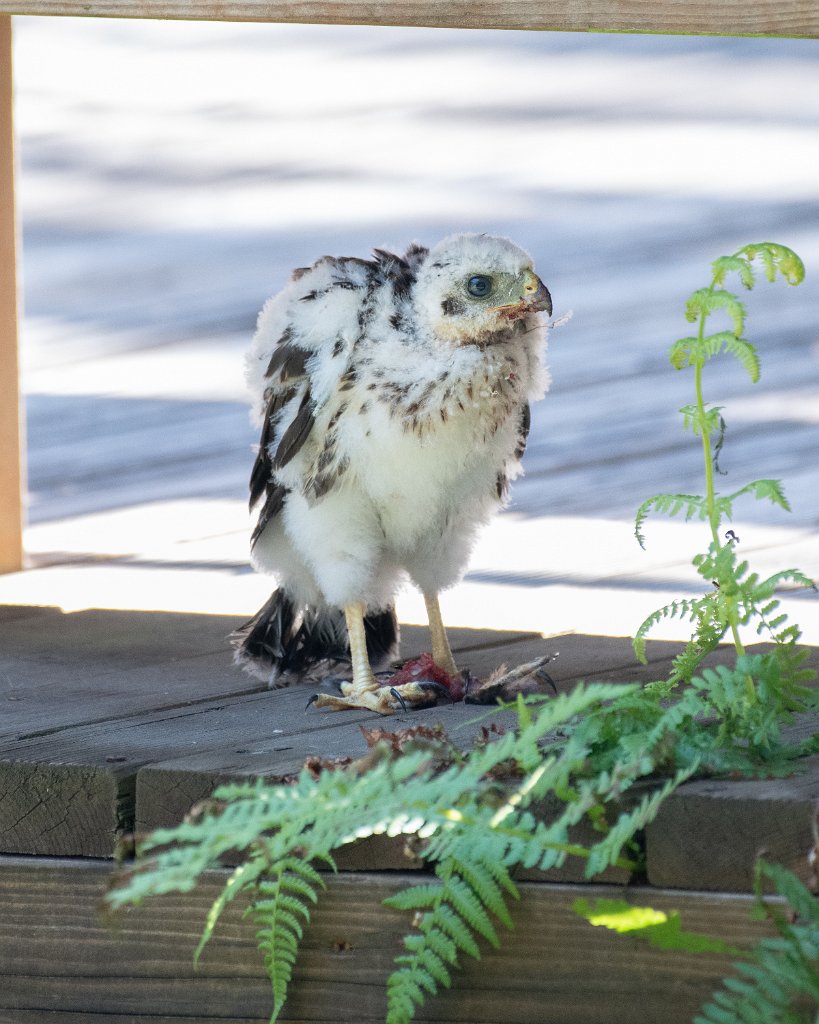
x=770 y=490
x=681 y=609
x=280 y=909
x=724 y=265
x=768 y=260
x=697 y=351
x=707 y=638
x=457 y=906
x=706 y=301
x=467 y=903
x=777 y=257
x=780 y=980
x=604 y=853
x=745 y=353
x=757 y=598
x=723 y=685
x=693 y=505
x=694 y=421
x=791 y=266
x=766 y=587
x=483 y=880
x=243 y=877
x=416 y=897
x=447 y=922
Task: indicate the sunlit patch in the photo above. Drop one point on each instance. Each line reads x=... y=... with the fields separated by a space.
x=622 y=918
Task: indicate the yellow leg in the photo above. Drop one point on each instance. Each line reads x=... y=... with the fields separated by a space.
x=441 y=652
x=363 y=691
x=363 y=679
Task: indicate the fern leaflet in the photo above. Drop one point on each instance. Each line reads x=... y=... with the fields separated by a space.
x=780 y=980
x=705 y=301
x=280 y=909
x=460 y=904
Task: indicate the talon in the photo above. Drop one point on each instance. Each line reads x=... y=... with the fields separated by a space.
x=394 y=693
x=543 y=675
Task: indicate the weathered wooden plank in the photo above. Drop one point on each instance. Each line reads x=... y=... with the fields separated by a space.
x=170 y=783
x=42 y=803
x=270 y=733
x=142 y=688
x=150 y=715
x=765 y=17
x=166 y=791
x=11 y=471
x=709 y=833
x=56 y=953
x=58 y=670
x=69 y=1017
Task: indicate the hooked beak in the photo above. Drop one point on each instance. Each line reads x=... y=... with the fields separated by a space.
x=535 y=299
x=537 y=294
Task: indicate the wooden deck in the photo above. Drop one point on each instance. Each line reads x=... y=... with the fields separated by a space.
x=117 y=721
x=120 y=721
x=158 y=213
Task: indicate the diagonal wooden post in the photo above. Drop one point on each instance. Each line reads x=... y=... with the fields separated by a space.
x=11 y=464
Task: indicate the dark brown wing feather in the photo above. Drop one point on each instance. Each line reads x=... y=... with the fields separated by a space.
x=524 y=425
x=260 y=474
x=273 y=504
x=296 y=433
x=286 y=370
x=523 y=430
x=288 y=362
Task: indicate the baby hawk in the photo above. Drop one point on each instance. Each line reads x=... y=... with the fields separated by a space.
x=393 y=397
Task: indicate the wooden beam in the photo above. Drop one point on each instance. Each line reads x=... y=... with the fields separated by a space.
x=709 y=833
x=57 y=952
x=686 y=17
x=11 y=473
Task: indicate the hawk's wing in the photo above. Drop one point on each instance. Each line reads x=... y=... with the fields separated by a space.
x=287 y=375
x=303 y=348
x=512 y=466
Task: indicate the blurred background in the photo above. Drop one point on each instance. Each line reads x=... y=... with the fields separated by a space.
x=171 y=175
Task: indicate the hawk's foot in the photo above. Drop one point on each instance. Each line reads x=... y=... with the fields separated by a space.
x=385 y=700
x=417 y=684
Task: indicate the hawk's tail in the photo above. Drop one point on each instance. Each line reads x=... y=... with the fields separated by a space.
x=283 y=642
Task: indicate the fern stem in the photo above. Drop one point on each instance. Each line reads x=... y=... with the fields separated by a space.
x=705 y=433
x=710 y=488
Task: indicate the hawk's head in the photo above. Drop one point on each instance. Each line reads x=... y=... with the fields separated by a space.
x=471 y=288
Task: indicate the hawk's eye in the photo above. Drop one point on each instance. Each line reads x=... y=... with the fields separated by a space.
x=479 y=286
